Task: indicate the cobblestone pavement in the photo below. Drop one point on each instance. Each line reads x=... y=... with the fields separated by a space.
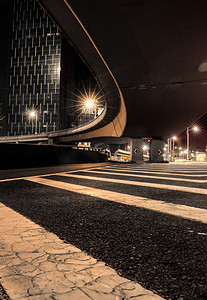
x=36 y=264
x=3 y=294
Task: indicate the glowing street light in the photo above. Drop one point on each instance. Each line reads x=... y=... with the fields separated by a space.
x=32 y=115
x=195 y=129
x=145 y=148
x=89 y=103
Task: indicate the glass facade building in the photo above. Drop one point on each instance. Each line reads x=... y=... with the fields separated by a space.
x=45 y=75
x=34 y=70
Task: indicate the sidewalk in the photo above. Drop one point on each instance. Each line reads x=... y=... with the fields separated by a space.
x=3 y=295
x=36 y=264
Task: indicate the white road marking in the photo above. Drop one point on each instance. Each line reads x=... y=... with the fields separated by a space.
x=152 y=172
x=160 y=170
x=187 y=212
x=147 y=176
x=52 y=174
x=164 y=166
x=37 y=264
x=137 y=183
x=12 y=179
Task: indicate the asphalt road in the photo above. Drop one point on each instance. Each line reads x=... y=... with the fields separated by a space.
x=166 y=253
x=3 y=295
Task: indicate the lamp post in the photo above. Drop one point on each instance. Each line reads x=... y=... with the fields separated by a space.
x=168 y=148
x=33 y=115
x=90 y=104
x=173 y=148
x=188 y=141
x=169 y=142
x=195 y=129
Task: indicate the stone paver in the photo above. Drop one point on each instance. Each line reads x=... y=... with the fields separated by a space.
x=3 y=295
x=36 y=264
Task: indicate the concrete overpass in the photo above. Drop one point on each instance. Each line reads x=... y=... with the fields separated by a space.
x=151 y=53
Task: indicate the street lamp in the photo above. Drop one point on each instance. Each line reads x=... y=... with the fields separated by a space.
x=195 y=129
x=173 y=148
x=32 y=115
x=145 y=147
x=169 y=148
x=89 y=103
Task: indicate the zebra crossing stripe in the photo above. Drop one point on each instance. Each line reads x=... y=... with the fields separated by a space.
x=129 y=170
x=154 y=166
x=49 y=174
x=61 y=278
x=144 y=184
x=187 y=212
x=147 y=176
x=173 y=171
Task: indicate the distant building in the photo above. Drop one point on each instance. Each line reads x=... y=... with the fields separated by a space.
x=44 y=73
x=34 y=69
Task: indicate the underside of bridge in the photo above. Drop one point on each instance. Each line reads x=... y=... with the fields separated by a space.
x=156 y=50
x=113 y=119
x=149 y=58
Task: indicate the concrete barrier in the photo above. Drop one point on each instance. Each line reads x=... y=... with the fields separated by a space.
x=27 y=156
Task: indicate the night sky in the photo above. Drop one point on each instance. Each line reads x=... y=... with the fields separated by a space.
x=196 y=141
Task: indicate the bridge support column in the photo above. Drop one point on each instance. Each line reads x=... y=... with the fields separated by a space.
x=50 y=141
x=156 y=150
x=113 y=148
x=136 y=152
